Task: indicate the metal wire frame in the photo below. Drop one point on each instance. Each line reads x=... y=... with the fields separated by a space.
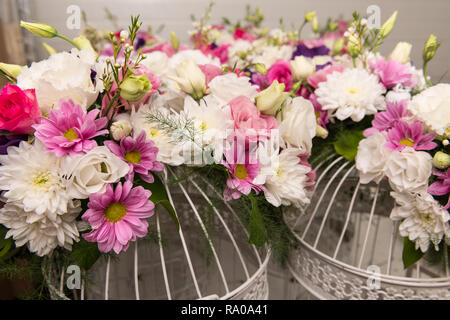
x=301 y=227
x=262 y=260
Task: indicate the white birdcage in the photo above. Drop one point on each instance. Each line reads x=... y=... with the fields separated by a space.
x=208 y=257
x=349 y=248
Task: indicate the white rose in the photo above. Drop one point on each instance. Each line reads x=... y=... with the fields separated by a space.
x=401 y=52
x=432 y=106
x=299 y=124
x=62 y=76
x=409 y=170
x=229 y=86
x=269 y=100
x=302 y=67
x=91 y=172
x=190 y=78
x=157 y=62
x=372 y=157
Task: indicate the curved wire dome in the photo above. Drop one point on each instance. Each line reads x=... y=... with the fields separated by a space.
x=349 y=248
x=209 y=257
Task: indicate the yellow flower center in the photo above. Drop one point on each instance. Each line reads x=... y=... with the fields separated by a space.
x=407 y=142
x=154 y=132
x=203 y=126
x=317 y=115
x=133 y=157
x=41 y=179
x=240 y=172
x=115 y=212
x=70 y=134
x=352 y=90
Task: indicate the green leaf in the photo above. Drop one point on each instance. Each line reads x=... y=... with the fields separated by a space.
x=85 y=253
x=347 y=142
x=159 y=196
x=410 y=254
x=257 y=230
x=5 y=244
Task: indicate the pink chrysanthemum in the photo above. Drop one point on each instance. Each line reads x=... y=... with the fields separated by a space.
x=244 y=168
x=384 y=121
x=392 y=72
x=442 y=186
x=409 y=135
x=139 y=154
x=118 y=216
x=69 y=130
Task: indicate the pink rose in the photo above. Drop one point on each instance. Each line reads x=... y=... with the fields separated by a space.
x=19 y=109
x=211 y=71
x=322 y=74
x=248 y=119
x=281 y=71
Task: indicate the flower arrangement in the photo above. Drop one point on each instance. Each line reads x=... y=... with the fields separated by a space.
x=87 y=134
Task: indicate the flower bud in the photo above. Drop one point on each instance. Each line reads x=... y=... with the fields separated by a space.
x=134 y=88
x=353 y=46
x=49 y=48
x=11 y=70
x=315 y=25
x=431 y=47
x=84 y=44
x=191 y=79
x=441 y=160
x=39 y=29
x=174 y=40
x=269 y=100
x=310 y=16
x=302 y=67
x=260 y=68
x=338 y=46
x=124 y=34
x=120 y=129
x=401 y=52
x=321 y=132
x=387 y=27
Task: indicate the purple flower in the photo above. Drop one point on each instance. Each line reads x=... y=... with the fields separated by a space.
x=68 y=130
x=310 y=50
x=321 y=115
x=442 y=186
x=8 y=139
x=384 y=121
x=139 y=154
x=404 y=135
x=391 y=73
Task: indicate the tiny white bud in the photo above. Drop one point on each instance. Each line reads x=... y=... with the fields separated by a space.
x=124 y=34
x=446 y=142
x=363 y=22
x=120 y=129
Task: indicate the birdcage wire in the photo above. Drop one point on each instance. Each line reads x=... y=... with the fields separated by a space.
x=349 y=248
x=208 y=257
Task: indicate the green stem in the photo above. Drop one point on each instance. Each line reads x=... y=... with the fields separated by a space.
x=301 y=29
x=425 y=74
x=68 y=40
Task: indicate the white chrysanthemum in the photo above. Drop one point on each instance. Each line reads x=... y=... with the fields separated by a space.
x=284 y=179
x=38 y=231
x=432 y=106
x=36 y=179
x=211 y=120
x=168 y=151
x=372 y=157
x=229 y=86
x=424 y=221
x=62 y=76
x=353 y=94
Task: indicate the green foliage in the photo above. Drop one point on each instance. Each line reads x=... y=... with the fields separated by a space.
x=347 y=142
x=5 y=244
x=410 y=254
x=85 y=253
x=257 y=230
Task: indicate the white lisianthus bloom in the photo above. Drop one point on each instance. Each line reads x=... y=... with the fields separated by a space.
x=409 y=170
x=432 y=106
x=238 y=52
x=284 y=179
x=38 y=231
x=190 y=79
x=62 y=76
x=36 y=179
x=302 y=67
x=269 y=100
x=157 y=62
x=298 y=126
x=229 y=86
x=424 y=219
x=270 y=54
x=91 y=172
x=169 y=152
x=353 y=94
x=372 y=157
x=196 y=55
